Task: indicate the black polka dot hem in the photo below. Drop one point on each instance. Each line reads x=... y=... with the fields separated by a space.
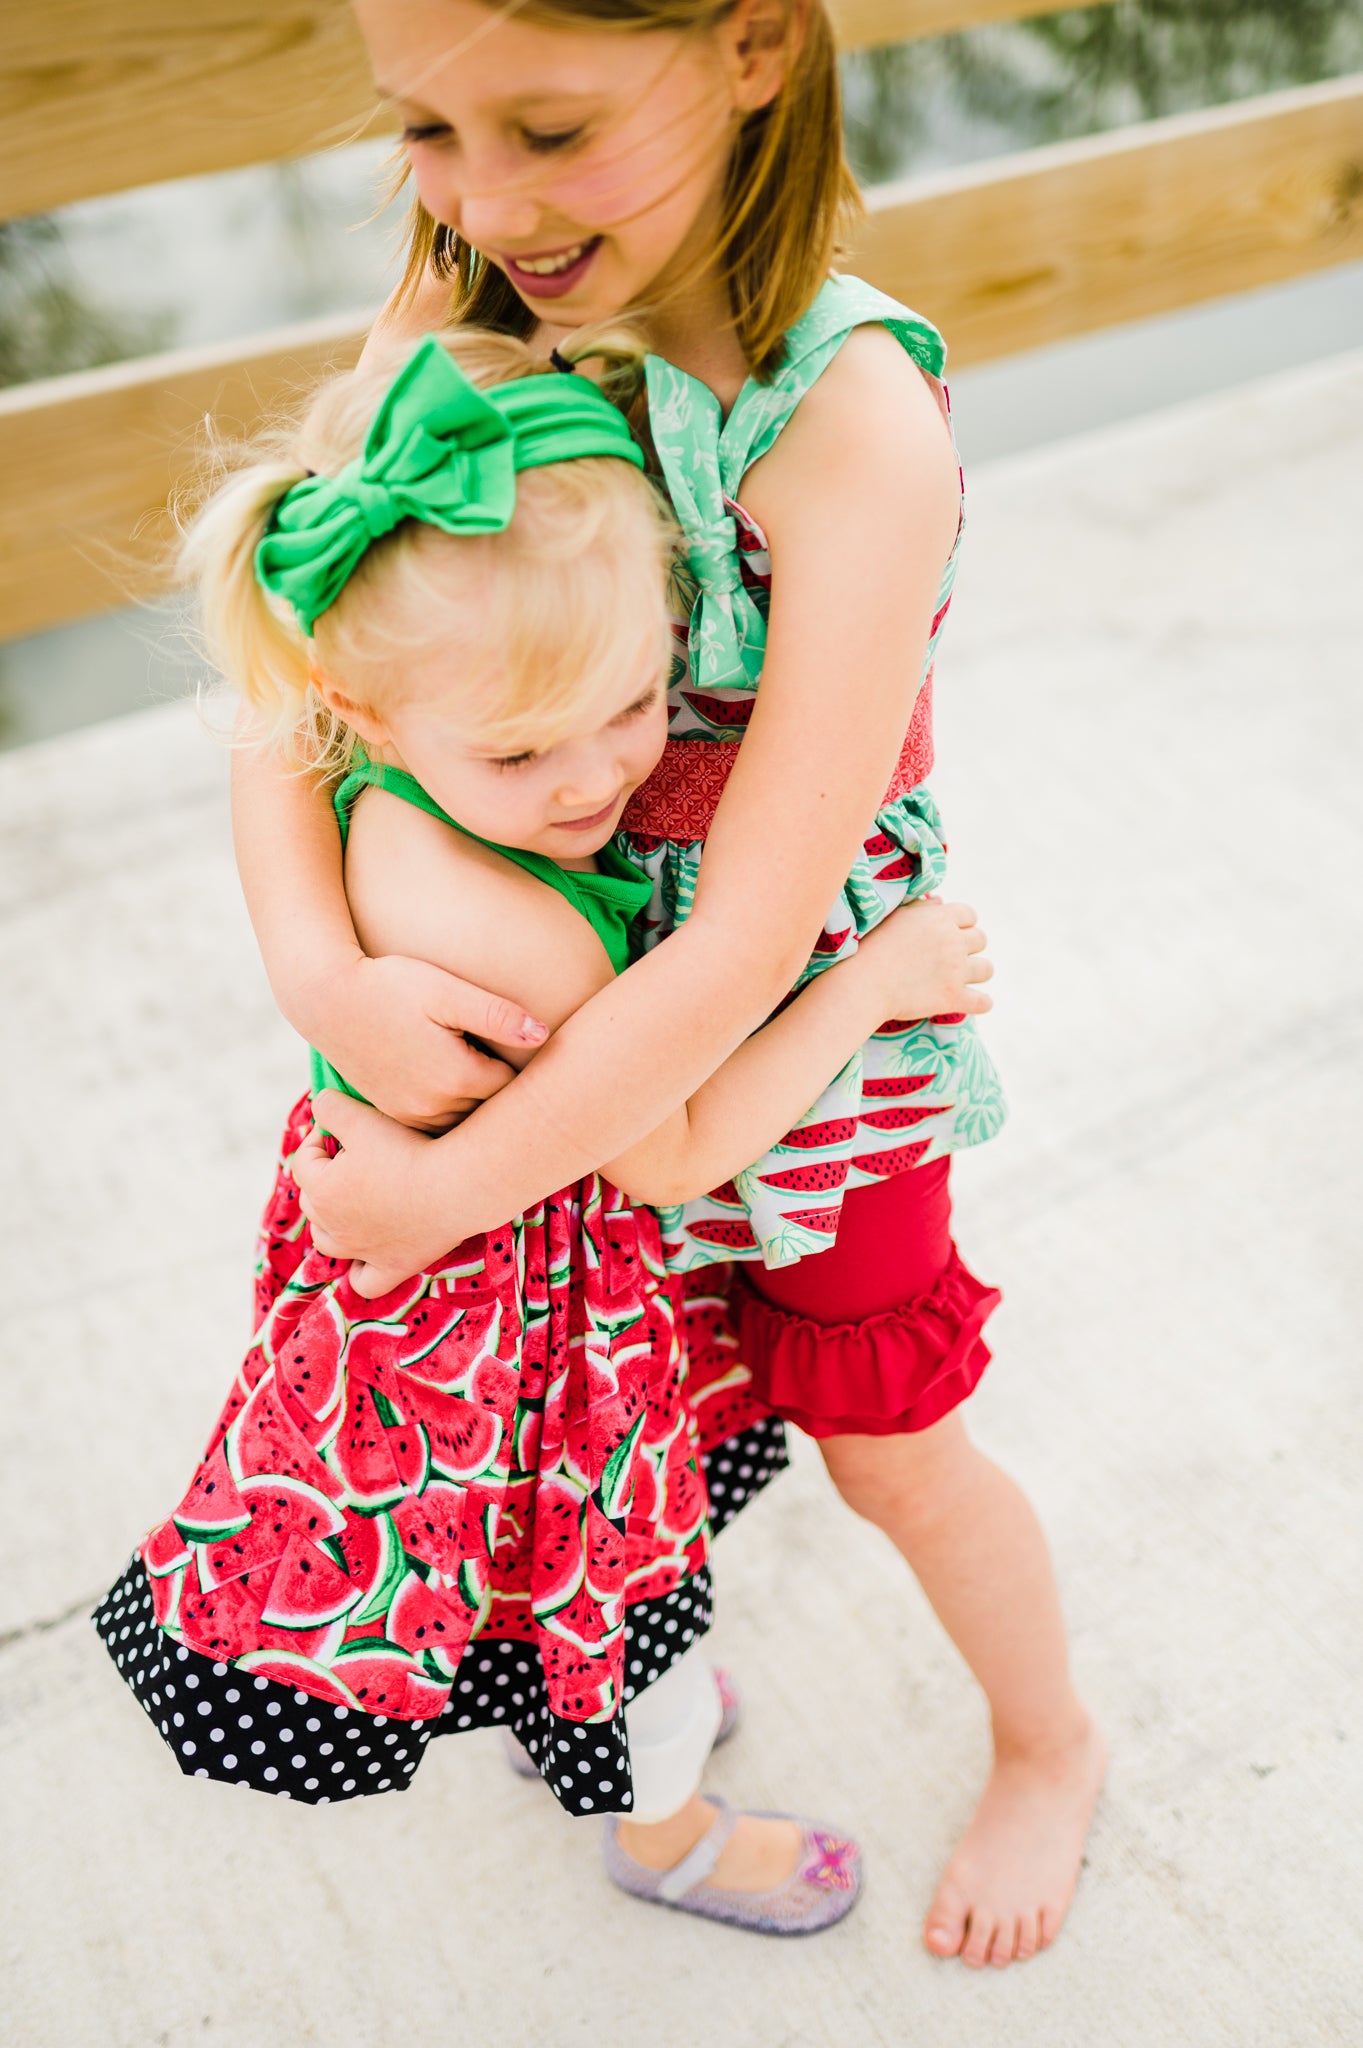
x=741 y=1466
x=220 y=1722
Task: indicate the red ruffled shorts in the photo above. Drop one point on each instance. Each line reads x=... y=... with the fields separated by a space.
x=880 y=1335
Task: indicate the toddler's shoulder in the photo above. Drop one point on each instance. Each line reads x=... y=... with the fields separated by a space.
x=419 y=886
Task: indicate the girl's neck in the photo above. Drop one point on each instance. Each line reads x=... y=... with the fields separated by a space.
x=695 y=333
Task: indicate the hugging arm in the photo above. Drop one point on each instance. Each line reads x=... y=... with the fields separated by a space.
x=394 y=1025
x=856 y=569
x=418 y=886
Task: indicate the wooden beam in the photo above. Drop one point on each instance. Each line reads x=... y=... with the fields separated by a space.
x=99 y=95
x=863 y=24
x=1055 y=242
x=89 y=464
x=1004 y=256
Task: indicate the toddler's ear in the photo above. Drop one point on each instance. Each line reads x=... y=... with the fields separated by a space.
x=358 y=717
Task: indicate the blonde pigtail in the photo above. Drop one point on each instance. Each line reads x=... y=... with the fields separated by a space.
x=616 y=354
x=247 y=639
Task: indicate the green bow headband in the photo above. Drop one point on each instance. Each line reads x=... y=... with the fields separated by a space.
x=440 y=450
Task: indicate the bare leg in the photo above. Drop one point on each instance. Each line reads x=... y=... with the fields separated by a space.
x=977 y=1549
x=672 y=1727
x=758 y=1856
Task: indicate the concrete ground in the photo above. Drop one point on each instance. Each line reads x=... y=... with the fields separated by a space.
x=1151 y=754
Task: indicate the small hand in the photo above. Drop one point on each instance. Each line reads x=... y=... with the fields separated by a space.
x=929 y=959
x=365 y=1201
x=401 y=1037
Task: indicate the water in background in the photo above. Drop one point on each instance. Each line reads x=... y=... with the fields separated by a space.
x=211 y=259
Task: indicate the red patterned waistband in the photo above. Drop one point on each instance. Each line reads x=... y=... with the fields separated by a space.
x=679 y=799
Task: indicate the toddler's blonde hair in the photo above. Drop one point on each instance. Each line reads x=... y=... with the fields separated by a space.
x=537 y=628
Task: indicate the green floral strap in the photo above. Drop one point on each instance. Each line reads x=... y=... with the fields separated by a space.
x=728 y=638
x=705 y=457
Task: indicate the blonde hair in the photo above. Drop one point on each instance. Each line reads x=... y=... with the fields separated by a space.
x=789 y=202
x=537 y=628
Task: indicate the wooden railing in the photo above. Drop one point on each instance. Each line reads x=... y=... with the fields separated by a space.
x=1003 y=256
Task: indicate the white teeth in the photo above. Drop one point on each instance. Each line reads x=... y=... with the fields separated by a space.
x=549 y=266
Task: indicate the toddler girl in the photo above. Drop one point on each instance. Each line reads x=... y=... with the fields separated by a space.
x=481 y=1499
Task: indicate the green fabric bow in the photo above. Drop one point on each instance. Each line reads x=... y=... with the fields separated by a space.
x=439 y=450
x=705 y=456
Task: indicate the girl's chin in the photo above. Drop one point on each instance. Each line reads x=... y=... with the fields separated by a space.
x=576 y=845
x=604 y=293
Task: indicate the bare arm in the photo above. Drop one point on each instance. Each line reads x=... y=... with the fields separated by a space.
x=287 y=846
x=920 y=962
x=419 y=886
x=393 y=1025
x=856 y=568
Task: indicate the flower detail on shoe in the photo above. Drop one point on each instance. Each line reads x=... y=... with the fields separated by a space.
x=821 y=1890
x=833 y=1867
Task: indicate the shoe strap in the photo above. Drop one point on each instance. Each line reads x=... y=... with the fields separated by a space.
x=698 y=1863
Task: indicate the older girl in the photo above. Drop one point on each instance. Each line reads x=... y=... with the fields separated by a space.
x=681 y=159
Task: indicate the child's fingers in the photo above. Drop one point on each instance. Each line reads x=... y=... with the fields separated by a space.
x=327 y=1246
x=467 y=1008
x=976 y=1002
x=313 y=1148
x=341 y=1115
x=980 y=969
x=975 y=939
x=371 y=1280
x=963 y=913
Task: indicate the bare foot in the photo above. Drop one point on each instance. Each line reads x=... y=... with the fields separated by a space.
x=758 y=1857
x=1008 y=1887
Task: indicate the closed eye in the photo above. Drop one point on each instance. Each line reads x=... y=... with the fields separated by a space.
x=640 y=705
x=546 y=143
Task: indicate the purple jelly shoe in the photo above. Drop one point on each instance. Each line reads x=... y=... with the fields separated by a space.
x=821 y=1890
x=730 y=1709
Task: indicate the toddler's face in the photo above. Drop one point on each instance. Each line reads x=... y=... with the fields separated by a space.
x=564 y=802
x=584 y=163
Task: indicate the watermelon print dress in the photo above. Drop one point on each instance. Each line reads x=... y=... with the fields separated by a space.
x=917 y=1091
x=486 y=1498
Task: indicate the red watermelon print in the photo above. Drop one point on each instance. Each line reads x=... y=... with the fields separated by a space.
x=506 y=1448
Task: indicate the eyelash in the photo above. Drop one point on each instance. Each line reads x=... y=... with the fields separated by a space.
x=634 y=710
x=640 y=705
x=436 y=131
x=548 y=143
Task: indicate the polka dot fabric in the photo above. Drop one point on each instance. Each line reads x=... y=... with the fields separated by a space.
x=219 y=1722
x=741 y=1466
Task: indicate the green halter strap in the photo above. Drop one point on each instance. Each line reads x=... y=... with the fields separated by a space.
x=440 y=450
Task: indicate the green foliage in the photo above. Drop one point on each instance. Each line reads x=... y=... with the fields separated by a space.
x=1070 y=74
x=48 y=325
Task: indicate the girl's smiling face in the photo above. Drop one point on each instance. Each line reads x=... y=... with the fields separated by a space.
x=586 y=163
